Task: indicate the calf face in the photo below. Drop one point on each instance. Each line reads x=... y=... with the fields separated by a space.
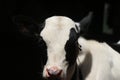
x=60 y=35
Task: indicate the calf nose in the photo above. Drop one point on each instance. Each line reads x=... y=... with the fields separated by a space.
x=54 y=71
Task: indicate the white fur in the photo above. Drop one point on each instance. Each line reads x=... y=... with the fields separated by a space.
x=105 y=61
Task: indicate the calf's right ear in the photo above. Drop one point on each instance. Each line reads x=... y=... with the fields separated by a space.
x=27 y=26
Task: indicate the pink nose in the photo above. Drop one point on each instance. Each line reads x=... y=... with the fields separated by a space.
x=54 y=71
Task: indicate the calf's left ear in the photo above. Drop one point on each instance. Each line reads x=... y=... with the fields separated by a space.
x=85 y=22
x=26 y=25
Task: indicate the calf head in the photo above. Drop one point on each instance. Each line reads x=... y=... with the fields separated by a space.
x=60 y=34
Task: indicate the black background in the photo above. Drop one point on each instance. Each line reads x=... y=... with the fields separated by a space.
x=22 y=57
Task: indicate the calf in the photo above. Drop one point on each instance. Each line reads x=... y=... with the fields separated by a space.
x=97 y=61
x=68 y=53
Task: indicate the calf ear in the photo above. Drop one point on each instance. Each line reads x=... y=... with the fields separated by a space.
x=85 y=22
x=27 y=26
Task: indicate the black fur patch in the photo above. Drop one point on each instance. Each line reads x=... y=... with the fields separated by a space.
x=71 y=47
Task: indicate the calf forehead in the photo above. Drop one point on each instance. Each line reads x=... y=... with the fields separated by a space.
x=57 y=30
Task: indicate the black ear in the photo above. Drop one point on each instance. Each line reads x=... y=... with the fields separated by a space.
x=85 y=22
x=27 y=26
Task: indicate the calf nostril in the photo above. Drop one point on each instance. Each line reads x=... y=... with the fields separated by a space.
x=54 y=71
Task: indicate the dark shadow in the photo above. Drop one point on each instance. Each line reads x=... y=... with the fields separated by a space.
x=86 y=65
